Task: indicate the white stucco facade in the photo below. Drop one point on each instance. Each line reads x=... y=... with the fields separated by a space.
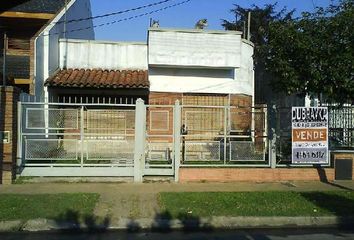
x=105 y=55
x=179 y=61
x=194 y=48
x=200 y=61
x=47 y=41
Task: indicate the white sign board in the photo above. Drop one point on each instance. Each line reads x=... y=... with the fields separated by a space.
x=310 y=135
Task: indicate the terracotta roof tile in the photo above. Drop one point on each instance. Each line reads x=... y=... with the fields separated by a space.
x=98 y=78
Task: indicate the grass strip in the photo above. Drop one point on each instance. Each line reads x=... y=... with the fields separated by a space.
x=206 y=204
x=61 y=207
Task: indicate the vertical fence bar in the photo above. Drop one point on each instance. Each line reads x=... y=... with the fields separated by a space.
x=272 y=150
x=177 y=139
x=273 y=116
x=82 y=135
x=265 y=128
x=19 y=134
x=225 y=133
x=140 y=134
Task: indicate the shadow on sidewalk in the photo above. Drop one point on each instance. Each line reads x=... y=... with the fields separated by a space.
x=164 y=223
x=323 y=178
x=74 y=221
x=340 y=206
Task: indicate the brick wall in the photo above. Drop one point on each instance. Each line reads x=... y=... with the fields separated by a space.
x=254 y=174
x=160 y=98
x=240 y=117
x=169 y=98
x=9 y=97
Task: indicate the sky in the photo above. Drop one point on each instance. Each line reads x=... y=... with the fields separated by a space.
x=182 y=16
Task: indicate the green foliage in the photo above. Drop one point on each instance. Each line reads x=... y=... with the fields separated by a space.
x=49 y=206
x=310 y=55
x=260 y=20
x=314 y=54
x=208 y=204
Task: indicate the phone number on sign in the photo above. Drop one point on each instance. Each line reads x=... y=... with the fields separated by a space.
x=310 y=154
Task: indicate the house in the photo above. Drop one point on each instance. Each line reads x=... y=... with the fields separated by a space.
x=33 y=28
x=200 y=66
x=193 y=66
x=196 y=67
x=86 y=120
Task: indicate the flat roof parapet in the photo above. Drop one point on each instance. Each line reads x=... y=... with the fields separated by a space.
x=101 y=42
x=195 y=31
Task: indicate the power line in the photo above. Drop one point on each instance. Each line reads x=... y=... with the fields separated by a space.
x=122 y=20
x=115 y=13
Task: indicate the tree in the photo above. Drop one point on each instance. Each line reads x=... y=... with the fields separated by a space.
x=313 y=55
x=260 y=21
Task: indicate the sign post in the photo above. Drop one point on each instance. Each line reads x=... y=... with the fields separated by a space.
x=310 y=135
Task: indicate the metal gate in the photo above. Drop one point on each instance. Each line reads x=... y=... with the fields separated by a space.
x=160 y=140
x=58 y=139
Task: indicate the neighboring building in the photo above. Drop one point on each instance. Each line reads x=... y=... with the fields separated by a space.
x=33 y=29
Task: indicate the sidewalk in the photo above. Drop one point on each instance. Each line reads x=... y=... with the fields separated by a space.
x=125 y=201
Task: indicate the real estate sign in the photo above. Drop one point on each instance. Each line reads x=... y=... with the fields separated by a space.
x=310 y=135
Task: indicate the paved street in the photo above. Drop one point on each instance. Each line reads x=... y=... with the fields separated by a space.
x=265 y=234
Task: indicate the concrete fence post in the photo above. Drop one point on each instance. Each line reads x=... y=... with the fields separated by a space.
x=177 y=139
x=19 y=160
x=82 y=136
x=139 y=145
x=273 y=149
x=272 y=134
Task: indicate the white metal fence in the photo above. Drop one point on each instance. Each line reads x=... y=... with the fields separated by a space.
x=107 y=139
x=224 y=135
x=59 y=139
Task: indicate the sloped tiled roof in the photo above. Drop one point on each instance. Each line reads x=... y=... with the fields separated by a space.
x=98 y=78
x=32 y=6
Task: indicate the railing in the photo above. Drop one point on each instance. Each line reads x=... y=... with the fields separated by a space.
x=160 y=139
x=224 y=136
x=340 y=131
x=57 y=134
x=341 y=127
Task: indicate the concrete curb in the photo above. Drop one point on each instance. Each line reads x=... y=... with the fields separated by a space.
x=6 y=226
x=189 y=224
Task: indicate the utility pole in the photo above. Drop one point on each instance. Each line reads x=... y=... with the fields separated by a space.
x=249 y=26
x=64 y=32
x=244 y=30
x=236 y=15
x=4 y=61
